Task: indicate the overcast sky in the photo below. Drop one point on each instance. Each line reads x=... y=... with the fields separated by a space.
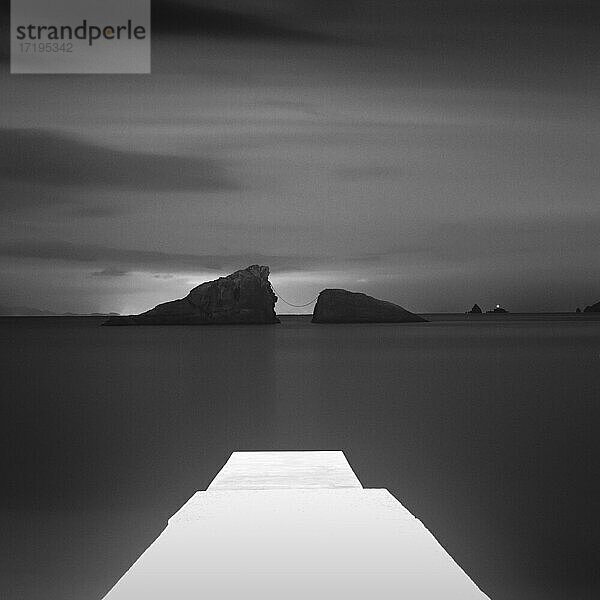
x=434 y=153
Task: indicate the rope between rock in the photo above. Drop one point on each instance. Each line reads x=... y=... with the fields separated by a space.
x=289 y=303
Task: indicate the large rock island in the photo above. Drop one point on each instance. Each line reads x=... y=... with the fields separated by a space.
x=592 y=308
x=245 y=296
x=342 y=306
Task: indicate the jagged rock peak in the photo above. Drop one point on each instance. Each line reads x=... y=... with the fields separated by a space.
x=245 y=296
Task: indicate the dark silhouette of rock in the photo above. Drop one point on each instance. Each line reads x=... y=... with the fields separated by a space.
x=498 y=309
x=578 y=310
x=476 y=310
x=592 y=308
x=342 y=306
x=245 y=296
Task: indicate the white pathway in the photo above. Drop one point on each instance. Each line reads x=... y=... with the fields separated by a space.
x=293 y=525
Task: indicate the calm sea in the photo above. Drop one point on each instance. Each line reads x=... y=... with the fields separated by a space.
x=485 y=428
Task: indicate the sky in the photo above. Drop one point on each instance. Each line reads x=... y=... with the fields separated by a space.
x=434 y=153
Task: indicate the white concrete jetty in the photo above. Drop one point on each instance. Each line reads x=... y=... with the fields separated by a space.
x=293 y=525
x=289 y=470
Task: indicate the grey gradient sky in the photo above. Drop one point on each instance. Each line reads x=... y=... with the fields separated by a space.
x=434 y=153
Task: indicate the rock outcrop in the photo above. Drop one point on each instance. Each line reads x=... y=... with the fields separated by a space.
x=245 y=296
x=592 y=308
x=476 y=310
x=498 y=310
x=342 y=306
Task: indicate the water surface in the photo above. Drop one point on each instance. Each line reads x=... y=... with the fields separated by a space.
x=485 y=428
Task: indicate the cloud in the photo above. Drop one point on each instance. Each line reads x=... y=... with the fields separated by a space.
x=4 y=31
x=432 y=19
x=95 y=211
x=118 y=261
x=368 y=172
x=45 y=157
x=110 y=272
x=492 y=244
x=40 y=200
x=552 y=30
x=495 y=239
x=504 y=28
x=245 y=21
x=471 y=244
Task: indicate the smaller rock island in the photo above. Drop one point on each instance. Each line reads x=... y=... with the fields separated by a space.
x=342 y=306
x=498 y=310
x=476 y=310
x=244 y=297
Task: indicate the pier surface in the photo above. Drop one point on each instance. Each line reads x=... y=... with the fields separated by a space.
x=285 y=470
x=293 y=525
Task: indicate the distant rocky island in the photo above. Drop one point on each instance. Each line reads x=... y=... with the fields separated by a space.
x=24 y=311
x=27 y=311
x=245 y=296
x=342 y=306
x=498 y=310
x=476 y=310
